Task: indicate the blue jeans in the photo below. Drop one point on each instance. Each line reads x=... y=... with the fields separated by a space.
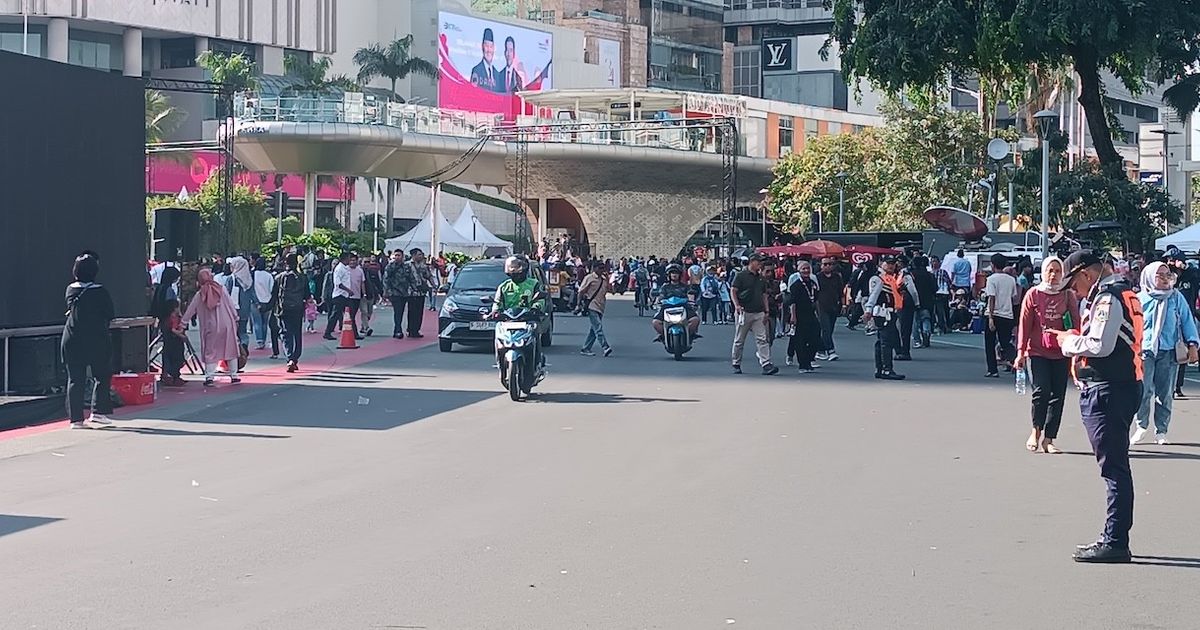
x=922 y=325
x=596 y=332
x=259 y=321
x=1158 y=382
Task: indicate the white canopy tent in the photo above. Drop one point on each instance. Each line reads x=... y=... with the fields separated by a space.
x=471 y=227
x=449 y=239
x=1187 y=240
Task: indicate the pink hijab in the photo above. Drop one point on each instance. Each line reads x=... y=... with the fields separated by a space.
x=210 y=293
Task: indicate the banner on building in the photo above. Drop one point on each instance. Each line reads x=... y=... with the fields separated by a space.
x=610 y=60
x=484 y=63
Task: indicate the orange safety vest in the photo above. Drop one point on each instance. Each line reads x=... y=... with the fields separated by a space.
x=893 y=282
x=1128 y=352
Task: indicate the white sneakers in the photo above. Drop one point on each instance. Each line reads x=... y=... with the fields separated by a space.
x=1161 y=438
x=1138 y=436
x=99 y=419
x=832 y=356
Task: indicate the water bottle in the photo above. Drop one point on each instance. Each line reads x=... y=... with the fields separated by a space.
x=1021 y=381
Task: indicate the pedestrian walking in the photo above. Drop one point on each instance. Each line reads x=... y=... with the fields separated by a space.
x=926 y=293
x=164 y=306
x=748 y=294
x=346 y=294
x=1107 y=361
x=261 y=311
x=884 y=302
x=803 y=317
x=710 y=296
x=239 y=284
x=419 y=282
x=1168 y=342
x=372 y=292
x=86 y=345
x=395 y=288
x=726 y=313
x=213 y=308
x=1187 y=282
x=1002 y=294
x=832 y=298
x=941 y=297
x=290 y=297
x=594 y=292
x=1046 y=306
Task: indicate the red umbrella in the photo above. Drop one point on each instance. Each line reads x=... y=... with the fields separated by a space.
x=820 y=248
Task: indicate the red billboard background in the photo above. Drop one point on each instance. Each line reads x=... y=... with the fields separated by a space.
x=168 y=176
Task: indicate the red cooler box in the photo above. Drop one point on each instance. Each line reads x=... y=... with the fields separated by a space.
x=135 y=389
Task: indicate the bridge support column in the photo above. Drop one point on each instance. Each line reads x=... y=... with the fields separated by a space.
x=310 y=202
x=58 y=39
x=541 y=220
x=133 y=52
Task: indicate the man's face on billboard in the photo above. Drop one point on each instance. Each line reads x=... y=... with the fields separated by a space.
x=510 y=52
x=489 y=51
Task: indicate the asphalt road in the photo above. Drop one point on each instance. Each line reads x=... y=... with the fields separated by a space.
x=631 y=492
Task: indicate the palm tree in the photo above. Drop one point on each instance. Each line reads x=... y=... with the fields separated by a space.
x=236 y=71
x=393 y=62
x=312 y=77
x=161 y=117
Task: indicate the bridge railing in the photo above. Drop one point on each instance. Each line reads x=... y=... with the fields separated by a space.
x=682 y=134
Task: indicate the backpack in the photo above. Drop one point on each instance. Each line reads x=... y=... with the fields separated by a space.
x=291 y=292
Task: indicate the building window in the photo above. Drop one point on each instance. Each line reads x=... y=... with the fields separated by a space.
x=746 y=73
x=178 y=53
x=226 y=47
x=810 y=129
x=834 y=127
x=16 y=42
x=785 y=135
x=101 y=51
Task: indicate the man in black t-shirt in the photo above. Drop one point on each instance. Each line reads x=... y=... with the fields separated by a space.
x=749 y=304
x=831 y=299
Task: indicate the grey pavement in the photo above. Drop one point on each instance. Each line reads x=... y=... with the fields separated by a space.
x=630 y=492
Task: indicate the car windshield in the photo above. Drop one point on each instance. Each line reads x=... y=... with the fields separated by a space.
x=478 y=278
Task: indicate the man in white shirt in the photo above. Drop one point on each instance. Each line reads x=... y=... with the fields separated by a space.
x=264 y=284
x=1002 y=295
x=347 y=291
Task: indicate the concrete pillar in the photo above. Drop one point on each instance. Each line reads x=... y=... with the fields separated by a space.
x=271 y=61
x=310 y=202
x=58 y=34
x=541 y=219
x=133 y=52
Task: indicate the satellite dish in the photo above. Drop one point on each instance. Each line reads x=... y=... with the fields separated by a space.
x=997 y=149
x=956 y=222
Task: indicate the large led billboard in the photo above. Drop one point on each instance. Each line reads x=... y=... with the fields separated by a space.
x=484 y=63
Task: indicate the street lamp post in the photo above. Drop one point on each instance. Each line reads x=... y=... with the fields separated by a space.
x=762 y=214
x=842 y=200
x=1047 y=121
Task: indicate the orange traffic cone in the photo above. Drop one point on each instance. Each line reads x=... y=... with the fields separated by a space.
x=347 y=340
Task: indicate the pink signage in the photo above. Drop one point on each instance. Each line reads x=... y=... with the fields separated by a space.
x=166 y=176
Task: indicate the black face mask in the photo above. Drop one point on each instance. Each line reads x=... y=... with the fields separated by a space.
x=518 y=277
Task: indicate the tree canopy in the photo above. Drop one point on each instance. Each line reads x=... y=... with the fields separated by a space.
x=924 y=44
x=312 y=77
x=238 y=72
x=393 y=62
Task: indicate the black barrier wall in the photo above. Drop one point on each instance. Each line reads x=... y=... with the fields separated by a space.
x=72 y=177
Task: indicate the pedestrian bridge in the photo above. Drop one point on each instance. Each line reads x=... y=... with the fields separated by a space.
x=633 y=188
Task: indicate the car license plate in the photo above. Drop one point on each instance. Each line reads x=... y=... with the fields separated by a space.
x=483 y=325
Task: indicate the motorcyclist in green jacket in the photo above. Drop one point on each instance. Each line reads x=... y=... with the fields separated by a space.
x=520 y=290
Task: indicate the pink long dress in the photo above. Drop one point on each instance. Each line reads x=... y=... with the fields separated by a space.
x=218 y=328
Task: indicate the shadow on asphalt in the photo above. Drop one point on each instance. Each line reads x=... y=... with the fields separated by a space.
x=595 y=398
x=1168 y=561
x=329 y=405
x=11 y=523
x=180 y=432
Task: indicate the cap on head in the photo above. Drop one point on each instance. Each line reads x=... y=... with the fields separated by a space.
x=1080 y=260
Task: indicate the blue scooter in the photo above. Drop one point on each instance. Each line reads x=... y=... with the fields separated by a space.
x=676 y=338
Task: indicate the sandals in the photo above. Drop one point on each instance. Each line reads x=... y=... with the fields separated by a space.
x=1034 y=442
x=1049 y=448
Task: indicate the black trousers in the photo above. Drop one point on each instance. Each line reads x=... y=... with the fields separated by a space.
x=941 y=312
x=1107 y=410
x=906 y=326
x=340 y=304
x=416 y=314
x=172 y=352
x=1002 y=337
x=273 y=326
x=887 y=340
x=100 y=364
x=291 y=325
x=1050 y=378
x=399 y=306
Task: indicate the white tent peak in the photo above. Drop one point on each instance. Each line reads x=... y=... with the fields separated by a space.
x=469 y=225
x=449 y=239
x=1187 y=240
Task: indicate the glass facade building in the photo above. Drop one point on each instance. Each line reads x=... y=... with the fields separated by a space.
x=686 y=43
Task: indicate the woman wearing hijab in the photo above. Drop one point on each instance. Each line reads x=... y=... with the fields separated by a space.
x=163 y=307
x=86 y=343
x=1046 y=306
x=240 y=286
x=218 y=318
x=1168 y=321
